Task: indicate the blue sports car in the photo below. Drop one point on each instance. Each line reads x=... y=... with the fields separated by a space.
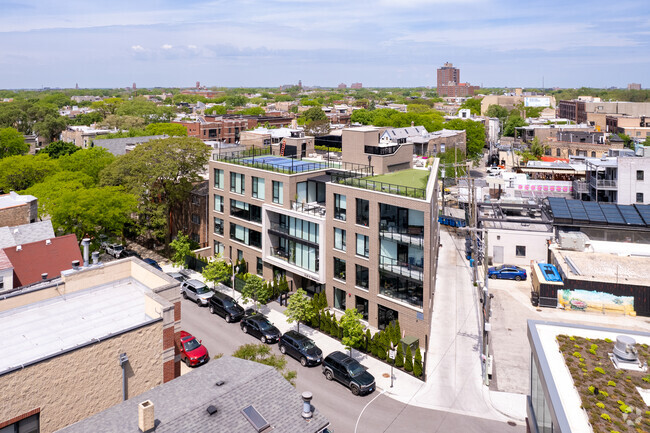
x=507 y=272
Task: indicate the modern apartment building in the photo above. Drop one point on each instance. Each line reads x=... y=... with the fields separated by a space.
x=346 y=227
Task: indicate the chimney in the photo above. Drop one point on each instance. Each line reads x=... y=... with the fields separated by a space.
x=307 y=413
x=146 y=420
x=75 y=265
x=95 y=257
x=85 y=242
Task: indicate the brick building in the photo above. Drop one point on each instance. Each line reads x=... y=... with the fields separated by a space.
x=449 y=85
x=191 y=218
x=16 y=209
x=67 y=336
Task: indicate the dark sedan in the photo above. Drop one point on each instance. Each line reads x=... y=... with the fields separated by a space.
x=507 y=272
x=259 y=326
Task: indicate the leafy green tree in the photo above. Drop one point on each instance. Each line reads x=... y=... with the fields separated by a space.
x=514 y=121
x=217 y=271
x=334 y=327
x=113 y=121
x=58 y=149
x=58 y=99
x=318 y=128
x=89 y=161
x=19 y=172
x=107 y=106
x=473 y=104
x=171 y=129
x=299 y=308
x=217 y=110
x=352 y=328
x=382 y=347
x=255 y=290
x=497 y=111
x=417 y=366
x=181 y=247
x=147 y=110
x=87 y=118
x=93 y=211
x=399 y=357
x=368 y=341
x=161 y=173
x=261 y=353
x=252 y=111
x=374 y=346
x=537 y=148
x=475 y=134
x=324 y=322
x=54 y=186
x=627 y=140
x=50 y=127
x=408 y=361
x=312 y=114
x=12 y=143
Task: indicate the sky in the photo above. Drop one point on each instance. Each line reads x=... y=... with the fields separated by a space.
x=267 y=43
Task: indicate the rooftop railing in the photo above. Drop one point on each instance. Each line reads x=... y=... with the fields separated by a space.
x=315 y=209
x=368 y=183
x=381 y=150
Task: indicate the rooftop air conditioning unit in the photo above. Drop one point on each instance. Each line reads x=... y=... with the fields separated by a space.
x=625 y=349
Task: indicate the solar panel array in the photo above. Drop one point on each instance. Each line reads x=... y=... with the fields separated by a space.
x=589 y=212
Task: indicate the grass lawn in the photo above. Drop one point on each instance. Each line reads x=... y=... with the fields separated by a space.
x=412 y=177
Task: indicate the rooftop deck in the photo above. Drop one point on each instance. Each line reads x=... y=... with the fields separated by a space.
x=409 y=183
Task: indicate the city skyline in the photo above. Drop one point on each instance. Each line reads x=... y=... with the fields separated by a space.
x=381 y=44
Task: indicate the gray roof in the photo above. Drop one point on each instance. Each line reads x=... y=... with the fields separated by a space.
x=180 y=405
x=26 y=233
x=411 y=131
x=13 y=199
x=118 y=146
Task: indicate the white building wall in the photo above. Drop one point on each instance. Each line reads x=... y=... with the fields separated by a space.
x=535 y=242
x=628 y=185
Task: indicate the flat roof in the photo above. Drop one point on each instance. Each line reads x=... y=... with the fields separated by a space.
x=564 y=398
x=53 y=326
x=611 y=268
x=13 y=199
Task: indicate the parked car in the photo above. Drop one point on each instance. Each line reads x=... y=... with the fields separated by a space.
x=197 y=291
x=346 y=370
x=507 y=272
x=114 y=250
x=193 y=353
x=130 y=253
x=178 y=276
x=153 y=263
x=259 y=326
x=226 y=307
x=301 y=347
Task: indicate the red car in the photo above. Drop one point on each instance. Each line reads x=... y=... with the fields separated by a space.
x=193 y=353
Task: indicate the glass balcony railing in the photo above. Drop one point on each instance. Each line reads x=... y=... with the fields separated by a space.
x=412 y=235
x=413 y=269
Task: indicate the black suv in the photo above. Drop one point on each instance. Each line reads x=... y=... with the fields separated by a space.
x=300 y=347
x=226 y=307
x=259 y=326
x=337 y=365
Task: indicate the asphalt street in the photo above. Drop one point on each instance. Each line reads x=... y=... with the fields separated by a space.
x=382 y=414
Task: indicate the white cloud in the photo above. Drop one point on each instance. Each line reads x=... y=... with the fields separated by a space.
x=192 y=47
x=167 y=47
x=137 y=48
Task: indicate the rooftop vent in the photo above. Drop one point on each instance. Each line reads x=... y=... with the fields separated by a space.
x=75 y=264
x=19 y=248
x=625 y=349
x=48 y=242
x=220 y=382
x=44 y=276
x=211 y=410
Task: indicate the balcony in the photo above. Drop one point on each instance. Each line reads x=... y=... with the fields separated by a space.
x=413 y=270
x=381 y=150
x=580 y=187
x=412 y=235
x=315 y=209
x=603 y=183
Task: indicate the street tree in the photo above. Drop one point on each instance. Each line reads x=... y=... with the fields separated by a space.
x=161 y=173
x=217 y=271
x=12 y=143
x=299 y=308
x=497 y=111
x=474 y=132
x=254 y=290
x=181 y=247
x=19 y=172
x=58 y=149
x=473 y=104
x=52 y=188
x=353 y=331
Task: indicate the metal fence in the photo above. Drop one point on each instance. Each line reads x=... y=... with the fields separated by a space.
x=374 y=185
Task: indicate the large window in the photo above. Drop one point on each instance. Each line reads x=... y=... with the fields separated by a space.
x=339 y=239
x=538 y=401
x=299 y=254
x=218 y=178
x=260 y=266
x=218 y=203
x=218 y=226
x=277 y=192
x=400 y=288
x=361 y=279
x=246 y=211
x=363 y=212
x=237 y=183
x=385 y=316
x=299 y=228
x=258 y=188
x=219 y=248
x=361 y=305
x=245 y=235
x=339 y=299
x=339 y=269
x=363 y=245
x=340 y=207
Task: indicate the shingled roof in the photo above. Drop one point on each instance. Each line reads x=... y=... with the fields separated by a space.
x=181 y=404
